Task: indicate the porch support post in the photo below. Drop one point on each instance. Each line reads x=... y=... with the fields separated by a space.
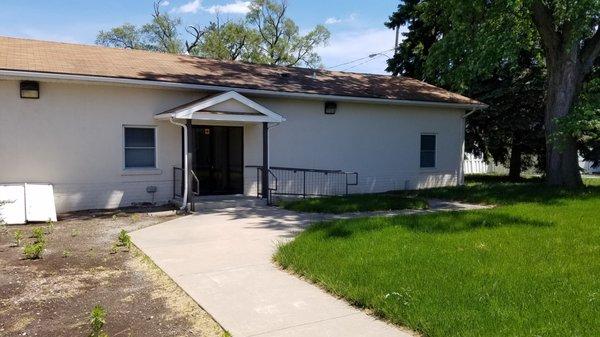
x=191 y=148
x=265 y=166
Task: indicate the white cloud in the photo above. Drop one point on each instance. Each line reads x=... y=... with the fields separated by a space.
x=335 y=20
x=165 y=3
x=332 y=21
x=190 y=7
x=237 y=7
x=350 y=45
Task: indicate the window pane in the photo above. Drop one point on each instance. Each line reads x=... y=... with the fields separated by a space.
x=139 y=158
x=139 y=137
x=427 y=142
x=427 y=158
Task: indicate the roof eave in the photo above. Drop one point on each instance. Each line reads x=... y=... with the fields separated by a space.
x=176 y=85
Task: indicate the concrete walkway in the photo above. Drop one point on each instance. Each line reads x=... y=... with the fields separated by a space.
x=221 y=257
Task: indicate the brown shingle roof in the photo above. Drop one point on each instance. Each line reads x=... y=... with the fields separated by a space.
x=63 y=58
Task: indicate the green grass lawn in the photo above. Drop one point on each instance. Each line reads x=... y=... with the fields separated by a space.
x=530 y=267
x=355 y=203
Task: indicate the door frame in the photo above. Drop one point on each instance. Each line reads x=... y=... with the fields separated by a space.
x=211 y=126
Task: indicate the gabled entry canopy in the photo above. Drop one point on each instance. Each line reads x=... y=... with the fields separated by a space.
x=229 y=106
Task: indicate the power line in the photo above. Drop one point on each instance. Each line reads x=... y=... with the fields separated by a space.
x=345 y=63
x=360 y=64
x=370 y=57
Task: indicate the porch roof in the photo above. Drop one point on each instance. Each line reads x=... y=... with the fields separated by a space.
x=229 y=106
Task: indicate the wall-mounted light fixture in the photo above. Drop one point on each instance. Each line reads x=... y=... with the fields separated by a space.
x=30 y=90
x=330 y=108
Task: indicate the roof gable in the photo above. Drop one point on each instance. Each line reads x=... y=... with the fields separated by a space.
x=231 y=105
x=228 y=106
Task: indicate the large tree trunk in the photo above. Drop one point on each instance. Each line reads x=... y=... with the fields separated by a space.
x=564 y=84
x=514 y=170
x=568 y=58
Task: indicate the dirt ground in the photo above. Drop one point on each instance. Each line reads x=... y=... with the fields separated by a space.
x=53 y=296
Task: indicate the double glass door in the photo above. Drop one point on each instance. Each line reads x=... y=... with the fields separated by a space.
x=218 y=159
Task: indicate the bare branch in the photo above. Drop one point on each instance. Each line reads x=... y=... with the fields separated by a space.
x=166 y=34
x=237 y=51
x=197 y=34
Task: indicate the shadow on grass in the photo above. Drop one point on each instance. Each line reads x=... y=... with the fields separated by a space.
x=354 y=203
x=500 y=191
x=494 y=178
x=450 y=222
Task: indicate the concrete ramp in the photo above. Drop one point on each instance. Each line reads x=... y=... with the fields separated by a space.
x=221 y=257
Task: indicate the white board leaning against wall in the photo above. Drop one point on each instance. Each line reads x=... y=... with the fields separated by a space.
x=12 y=204
x=20 y=203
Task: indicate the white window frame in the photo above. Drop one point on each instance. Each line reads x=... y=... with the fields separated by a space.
x=435 y=150
x=155 y=129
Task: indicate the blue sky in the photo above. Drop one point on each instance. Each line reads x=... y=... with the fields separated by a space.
x=356 y=25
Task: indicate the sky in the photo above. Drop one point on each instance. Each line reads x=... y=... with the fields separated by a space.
x=356 y=26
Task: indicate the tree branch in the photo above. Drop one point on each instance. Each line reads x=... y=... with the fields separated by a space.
x=197 y=34
x=163 y=33
x=590 y=51
x=544 y=22
x=237 y=51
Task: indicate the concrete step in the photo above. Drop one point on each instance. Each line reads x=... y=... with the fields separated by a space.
x=228 y=201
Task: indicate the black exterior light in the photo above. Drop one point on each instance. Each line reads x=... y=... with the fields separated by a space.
x=330 y=108
x=30 y=90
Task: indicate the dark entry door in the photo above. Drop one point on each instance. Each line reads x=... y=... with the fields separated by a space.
x=218 y=160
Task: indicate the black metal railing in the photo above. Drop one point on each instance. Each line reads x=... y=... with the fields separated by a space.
x=195 y=183
x=178 y=183
x=292 y=181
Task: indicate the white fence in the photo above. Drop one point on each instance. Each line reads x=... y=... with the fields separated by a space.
x=475 y=165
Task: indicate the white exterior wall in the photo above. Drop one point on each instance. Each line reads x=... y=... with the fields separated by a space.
x=380 y=142
x=72 y=137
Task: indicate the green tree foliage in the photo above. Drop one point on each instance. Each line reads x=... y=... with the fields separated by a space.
x=511 y=130
x=583 y=123
x=570 y=36
x=232 y=40
x=161 y=34
x=267 y=35
x=481 y=35
x=125 y=36
x=280 y=40
x=425 y=25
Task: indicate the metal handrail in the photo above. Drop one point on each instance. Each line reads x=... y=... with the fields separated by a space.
x=348 y=179
x=258 y=179
x=194 y=177
x=270 y=172
x=299 y=169
x=271 y=189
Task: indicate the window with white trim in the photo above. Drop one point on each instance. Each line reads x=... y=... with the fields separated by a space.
x=428 y=144
x=140 y=147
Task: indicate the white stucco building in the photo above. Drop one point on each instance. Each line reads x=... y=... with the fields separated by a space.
x=109 y=127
